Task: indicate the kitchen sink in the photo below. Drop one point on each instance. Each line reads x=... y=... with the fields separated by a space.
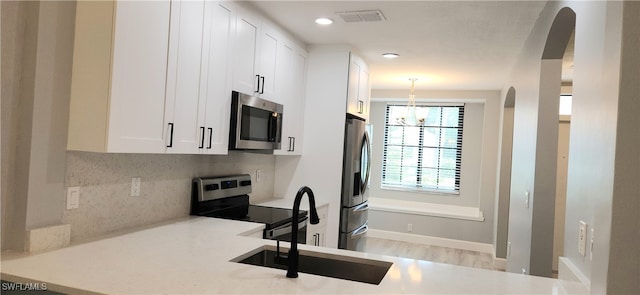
x=322 y=264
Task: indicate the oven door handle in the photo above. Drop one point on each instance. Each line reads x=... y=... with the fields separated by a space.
x=285 y=229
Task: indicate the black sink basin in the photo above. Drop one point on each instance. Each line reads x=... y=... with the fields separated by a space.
x=322 y=264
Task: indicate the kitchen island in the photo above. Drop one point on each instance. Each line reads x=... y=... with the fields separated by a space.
x=192 y=256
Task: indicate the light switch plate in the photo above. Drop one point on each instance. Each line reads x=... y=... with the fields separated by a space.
x=582 y=238
x=73 y=197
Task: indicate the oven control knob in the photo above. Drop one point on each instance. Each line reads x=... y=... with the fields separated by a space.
x=245 y=183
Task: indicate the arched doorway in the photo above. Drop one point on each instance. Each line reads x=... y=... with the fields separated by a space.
x=539 y=199
x=504 y=189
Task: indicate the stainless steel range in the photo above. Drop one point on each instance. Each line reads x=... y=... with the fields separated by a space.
x=227 y=197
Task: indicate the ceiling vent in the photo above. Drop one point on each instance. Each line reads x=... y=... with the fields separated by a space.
x=362 y=16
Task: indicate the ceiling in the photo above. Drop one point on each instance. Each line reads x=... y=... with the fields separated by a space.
x=452 y=45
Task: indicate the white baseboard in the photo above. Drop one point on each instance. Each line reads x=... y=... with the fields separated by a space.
x=567 y=271
x=436 y=241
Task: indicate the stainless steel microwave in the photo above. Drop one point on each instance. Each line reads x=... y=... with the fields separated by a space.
x=256 y=124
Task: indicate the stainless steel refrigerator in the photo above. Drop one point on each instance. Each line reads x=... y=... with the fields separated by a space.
x=355 y=180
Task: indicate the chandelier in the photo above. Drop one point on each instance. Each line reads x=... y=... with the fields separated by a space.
x=411 y=105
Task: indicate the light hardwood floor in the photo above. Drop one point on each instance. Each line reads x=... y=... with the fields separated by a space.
x=430 y=253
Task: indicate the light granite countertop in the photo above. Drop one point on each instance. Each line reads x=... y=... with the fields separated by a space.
x=192 y=256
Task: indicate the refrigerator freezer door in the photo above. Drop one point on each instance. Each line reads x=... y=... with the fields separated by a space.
x=354 y=217
x=354 y=240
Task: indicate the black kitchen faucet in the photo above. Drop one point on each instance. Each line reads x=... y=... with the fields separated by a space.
x=292 y=270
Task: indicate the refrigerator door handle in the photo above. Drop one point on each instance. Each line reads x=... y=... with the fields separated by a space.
x=362 y=207
x=365 y=148
x=361 y=231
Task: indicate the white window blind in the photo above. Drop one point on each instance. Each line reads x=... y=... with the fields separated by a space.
x=426 y=156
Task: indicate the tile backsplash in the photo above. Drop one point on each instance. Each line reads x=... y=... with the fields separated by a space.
x=105 y=182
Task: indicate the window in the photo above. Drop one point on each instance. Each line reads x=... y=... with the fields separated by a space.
x=427 y=156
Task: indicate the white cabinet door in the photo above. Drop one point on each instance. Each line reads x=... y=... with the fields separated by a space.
x=316 y=233
x=354 y=87
x=267 y=70
x=245 y=79
x=119 y=75
x=358 y=90
x=256 y=50
x=183 y=77
x=291 y=64
x=138 y=76
x=364 y=92
x=216 y=77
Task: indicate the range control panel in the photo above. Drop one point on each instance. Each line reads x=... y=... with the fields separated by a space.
x=211 y=188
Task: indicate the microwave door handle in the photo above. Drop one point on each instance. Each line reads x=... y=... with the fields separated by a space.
x=275 y=127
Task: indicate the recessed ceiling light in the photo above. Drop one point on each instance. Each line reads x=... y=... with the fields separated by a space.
x=390 y=55
x=324 y=21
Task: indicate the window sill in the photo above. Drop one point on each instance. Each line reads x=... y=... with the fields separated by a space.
x=426 y=209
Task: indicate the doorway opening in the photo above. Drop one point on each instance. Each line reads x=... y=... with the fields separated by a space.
x=504 y=189
x=552 y=147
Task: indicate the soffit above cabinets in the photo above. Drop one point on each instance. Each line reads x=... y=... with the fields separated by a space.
x=446 y=44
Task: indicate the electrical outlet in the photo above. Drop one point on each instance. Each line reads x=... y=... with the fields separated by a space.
x=135 y=187
x=410 y=227
x=508 y=249
x=526 y=199
x=582 y=238
x=73 y=197
x=258 y=175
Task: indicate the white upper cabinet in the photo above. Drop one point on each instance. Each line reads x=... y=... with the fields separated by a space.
x=183 y=76
x=358 y=96
x=119 y=76
x=157 y=76
x=291 y=74
x=216 y=77
x=245 y=50
x=256 y=51
x=199 y=77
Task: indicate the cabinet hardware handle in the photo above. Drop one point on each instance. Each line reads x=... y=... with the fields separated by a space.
x=170 y=135
x=210 y=137
x=257 y=84
x=262 y=89
x=294 y=144
x=290 y=144
x=202 y=138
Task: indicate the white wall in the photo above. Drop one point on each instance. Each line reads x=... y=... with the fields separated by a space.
x=477 y=177
x=597 y=121
x=39 y=39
